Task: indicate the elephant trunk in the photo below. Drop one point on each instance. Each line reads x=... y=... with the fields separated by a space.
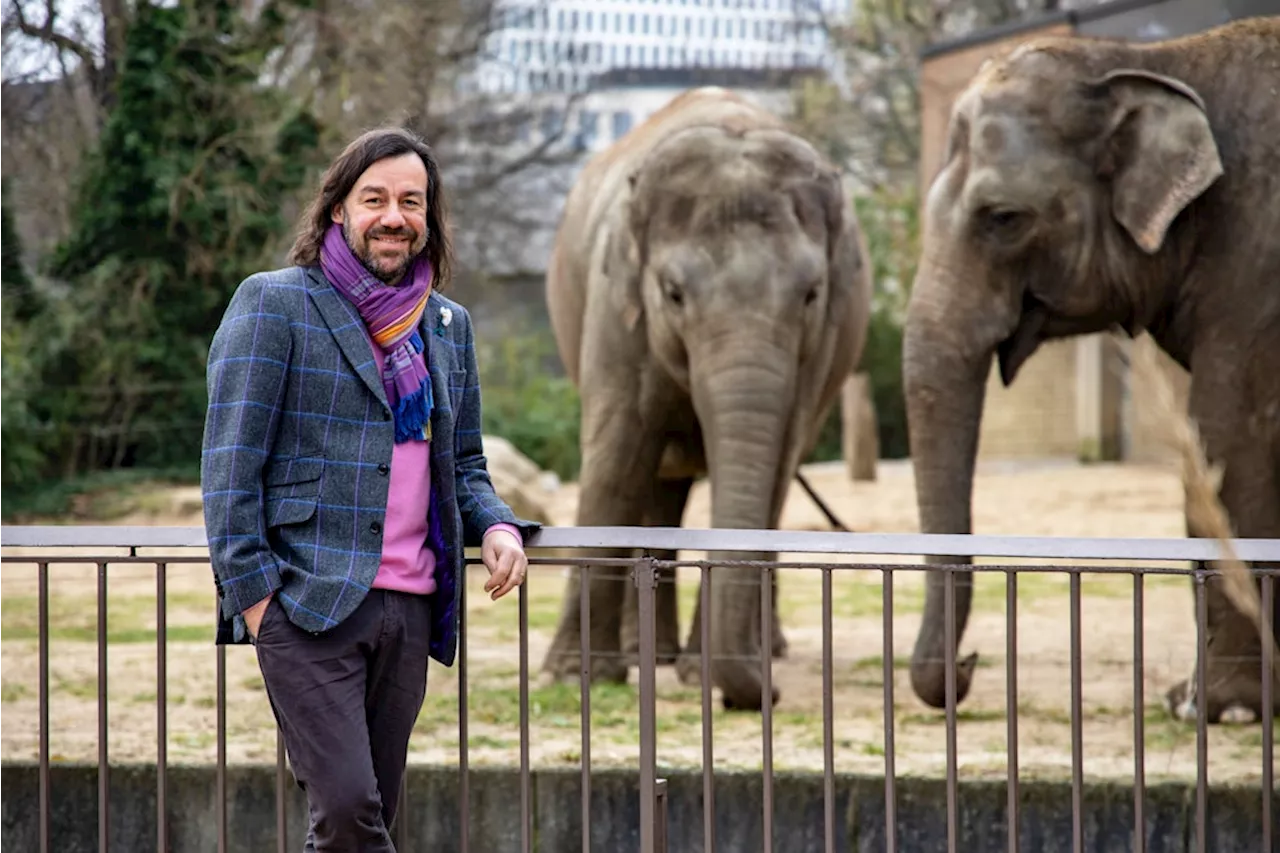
x=944 y=375
x=747 y=412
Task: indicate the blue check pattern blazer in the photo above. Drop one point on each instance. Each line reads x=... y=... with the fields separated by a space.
x=296 y=456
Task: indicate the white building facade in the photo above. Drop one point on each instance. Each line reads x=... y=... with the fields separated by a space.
x=562 y=45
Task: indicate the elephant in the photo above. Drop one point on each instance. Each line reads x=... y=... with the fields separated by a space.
x=709 y=293
x=1099 y=186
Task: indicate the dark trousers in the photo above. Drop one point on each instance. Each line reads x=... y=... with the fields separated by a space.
x=346 y=701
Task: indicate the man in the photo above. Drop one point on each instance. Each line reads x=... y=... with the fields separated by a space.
x=343 y=475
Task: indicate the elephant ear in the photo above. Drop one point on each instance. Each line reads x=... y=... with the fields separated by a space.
x=623 y=256
x=1161 y=154
x=848 y=278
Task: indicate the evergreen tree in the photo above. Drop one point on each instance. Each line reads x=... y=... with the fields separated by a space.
x=19 y=432
x=183 y=197
x=18 y=297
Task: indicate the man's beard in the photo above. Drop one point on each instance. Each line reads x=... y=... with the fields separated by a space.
x=370 y=263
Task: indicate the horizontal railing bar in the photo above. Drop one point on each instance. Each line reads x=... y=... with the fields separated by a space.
x=992 y=568
x=988 y=568
x=796 y=541
x=1056 y=569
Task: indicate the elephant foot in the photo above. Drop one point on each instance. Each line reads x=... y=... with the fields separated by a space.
x=779 y=646
x=740 y=686
x=928 y=679
x=667 y=653
x=739 y=697
x=748 y=702
x=1180 y=702
x=567 y=669
x=689 y=670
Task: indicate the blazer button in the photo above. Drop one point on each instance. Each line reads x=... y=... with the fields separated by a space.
x=386 y=414
x=375 y=528
x=384 y=469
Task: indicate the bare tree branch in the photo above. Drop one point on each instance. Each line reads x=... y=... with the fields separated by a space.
x=48 y=32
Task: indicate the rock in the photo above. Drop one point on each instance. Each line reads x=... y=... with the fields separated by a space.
x=518 y=480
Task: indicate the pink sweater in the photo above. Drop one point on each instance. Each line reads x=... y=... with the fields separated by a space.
x=408 y=563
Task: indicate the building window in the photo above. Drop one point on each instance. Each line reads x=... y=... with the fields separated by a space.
x=588 y=129
x=621 y=123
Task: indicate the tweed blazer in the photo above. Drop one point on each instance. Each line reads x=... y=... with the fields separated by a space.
x=296 y=457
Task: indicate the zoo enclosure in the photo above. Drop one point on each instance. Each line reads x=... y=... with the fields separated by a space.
x=167 y=546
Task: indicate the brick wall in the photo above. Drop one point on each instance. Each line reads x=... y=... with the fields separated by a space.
x=1036 y=415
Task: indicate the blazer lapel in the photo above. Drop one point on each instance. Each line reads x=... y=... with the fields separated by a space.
x=439 y=362
x=344 y=321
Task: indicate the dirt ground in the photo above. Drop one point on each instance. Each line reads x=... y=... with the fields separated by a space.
x=1044 y=498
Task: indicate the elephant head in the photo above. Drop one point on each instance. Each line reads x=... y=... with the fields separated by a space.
x=1061 y=208
x=740 y=255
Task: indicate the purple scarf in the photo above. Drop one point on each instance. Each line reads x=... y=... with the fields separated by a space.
x=391 y=315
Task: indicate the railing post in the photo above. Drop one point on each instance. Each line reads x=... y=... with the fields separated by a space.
x=646 y=581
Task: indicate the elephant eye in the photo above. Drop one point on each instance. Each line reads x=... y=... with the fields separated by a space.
x=811 y=295
x=672 y=291
x=1003 y=222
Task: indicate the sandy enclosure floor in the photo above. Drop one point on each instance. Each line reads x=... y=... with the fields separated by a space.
x=1042 y=499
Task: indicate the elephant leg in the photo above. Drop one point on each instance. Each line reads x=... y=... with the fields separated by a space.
x=666 y=510
x=615 y=486
x=688 y=671
x=735 y=635
x=689 y=664
x=1233 y=664
x=778 y=642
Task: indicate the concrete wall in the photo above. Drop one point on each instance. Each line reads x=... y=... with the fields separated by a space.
x=1045 y=819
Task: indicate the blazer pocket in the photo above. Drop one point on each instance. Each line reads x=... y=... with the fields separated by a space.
x=292 y=489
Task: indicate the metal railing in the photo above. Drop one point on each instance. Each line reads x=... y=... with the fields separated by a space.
x=168 y=546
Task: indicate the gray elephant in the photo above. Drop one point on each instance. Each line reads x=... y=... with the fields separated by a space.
x=1096 y=185
x=709 y=294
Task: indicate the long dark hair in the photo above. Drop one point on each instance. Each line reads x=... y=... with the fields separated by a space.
x=342 y=174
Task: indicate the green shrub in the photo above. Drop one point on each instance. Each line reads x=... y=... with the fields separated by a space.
x=890 y=225
x=528 y=401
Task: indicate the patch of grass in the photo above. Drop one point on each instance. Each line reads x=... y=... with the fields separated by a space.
x=502 y=617
x=682 y=721
x=612 y=705
x=859 y=597
x=13 y=692
x=75 y=618
x=80 y=688
x=489 y=742
x=196 y=740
